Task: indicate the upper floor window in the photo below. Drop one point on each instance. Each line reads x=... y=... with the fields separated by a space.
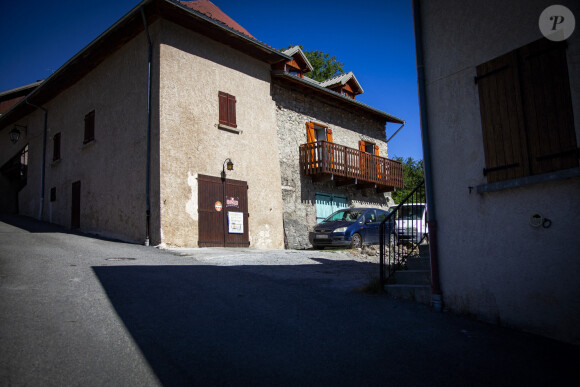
x=316 y=132
x=227 y=109
x=526 y=112
x=347 y=93
x=368 y=147
x=293 y=70
x=89 y=128
x=56 y=147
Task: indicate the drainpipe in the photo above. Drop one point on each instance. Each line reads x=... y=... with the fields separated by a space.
x=436 y=293
x=398 y=130
x=42 y=173
x=148 y=162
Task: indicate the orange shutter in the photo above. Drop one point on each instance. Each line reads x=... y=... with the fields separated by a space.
x=310 y=138
x=329 y=146
x=377 y=161
x=310 y=132
x=328 y=135
x=363 y=164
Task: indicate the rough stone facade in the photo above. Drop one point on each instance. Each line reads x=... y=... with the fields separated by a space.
x=293 y=111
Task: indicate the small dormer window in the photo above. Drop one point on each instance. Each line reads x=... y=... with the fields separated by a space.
x=347 y=93
x=293 y=70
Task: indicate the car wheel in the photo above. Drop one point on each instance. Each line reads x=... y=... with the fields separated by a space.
x=393 y=240
x=356 y=241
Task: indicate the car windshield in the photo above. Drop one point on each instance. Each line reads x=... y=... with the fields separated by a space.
x=411 y=212
x=349 y=215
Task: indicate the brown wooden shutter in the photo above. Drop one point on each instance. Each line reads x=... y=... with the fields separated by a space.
x=502 y=119
x=329 y=135
x=56 y=147
x=232 y=111
x=548 y=107
x=89 y=134
x=310 y=137
x=361 y=145
x=223 y=108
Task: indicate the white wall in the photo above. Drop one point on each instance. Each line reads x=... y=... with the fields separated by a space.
x=193 y=69
x=493 y=264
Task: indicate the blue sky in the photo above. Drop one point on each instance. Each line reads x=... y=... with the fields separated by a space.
x=373 y=38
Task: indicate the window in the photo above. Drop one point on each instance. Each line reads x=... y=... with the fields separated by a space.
x=319 y=151
x=227 y=109
x=317 y=132
x=53 y=194
x=293 y=69
x=56 y=147
x=89 y=127
x=368 y=147
x=526 y=112
x=347 y=93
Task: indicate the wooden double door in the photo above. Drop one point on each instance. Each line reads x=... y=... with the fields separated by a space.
x=223 y=212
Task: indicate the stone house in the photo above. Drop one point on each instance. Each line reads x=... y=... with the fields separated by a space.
x=150 y=134
x=501 y=122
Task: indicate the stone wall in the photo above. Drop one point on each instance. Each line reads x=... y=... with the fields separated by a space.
x=293 y=111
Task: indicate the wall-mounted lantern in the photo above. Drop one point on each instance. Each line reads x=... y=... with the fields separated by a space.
x=15 y=133
x=227 y=164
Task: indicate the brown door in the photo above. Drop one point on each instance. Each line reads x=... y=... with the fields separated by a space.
x=76 y=205
x=223 y=212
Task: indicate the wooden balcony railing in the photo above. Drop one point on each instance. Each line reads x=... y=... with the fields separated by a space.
x=325 y=160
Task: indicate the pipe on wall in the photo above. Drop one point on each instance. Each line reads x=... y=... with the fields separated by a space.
x=397 y=131
x=42 y=172
x=436 y=293
x=148 y=162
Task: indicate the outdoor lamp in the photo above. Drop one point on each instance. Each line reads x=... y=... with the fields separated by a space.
x=230 y=165
x=15 y=133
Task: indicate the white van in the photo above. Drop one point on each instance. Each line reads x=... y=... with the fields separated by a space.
x=410 y=222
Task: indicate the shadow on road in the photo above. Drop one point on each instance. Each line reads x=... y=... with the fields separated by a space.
x=242 y=325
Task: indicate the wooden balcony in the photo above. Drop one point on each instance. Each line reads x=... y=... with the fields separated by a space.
x=325 y=160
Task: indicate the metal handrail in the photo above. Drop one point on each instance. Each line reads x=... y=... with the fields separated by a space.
x=393 y=255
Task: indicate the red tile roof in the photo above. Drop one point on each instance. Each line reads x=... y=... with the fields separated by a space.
x=211 y=10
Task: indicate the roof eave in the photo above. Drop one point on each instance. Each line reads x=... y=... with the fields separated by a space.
x=126 y=29
x=383 y=115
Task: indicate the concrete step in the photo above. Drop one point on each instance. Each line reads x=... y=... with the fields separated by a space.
x=419 y=263
x=417 y=293
x=412 y=277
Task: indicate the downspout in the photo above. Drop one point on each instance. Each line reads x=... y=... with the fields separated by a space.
x=397 y=131
x=436 y=293
x=42 y=173
x=148 y=162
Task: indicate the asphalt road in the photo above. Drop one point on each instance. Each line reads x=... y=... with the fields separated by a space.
x=77 y=310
